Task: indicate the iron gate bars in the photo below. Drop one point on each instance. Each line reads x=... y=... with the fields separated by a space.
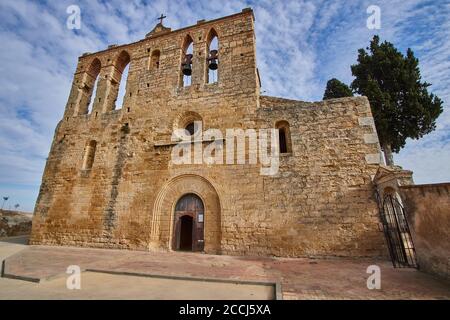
x=396 y=230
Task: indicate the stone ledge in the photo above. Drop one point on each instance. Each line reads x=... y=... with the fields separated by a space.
x=275 y=284
x=167 y=144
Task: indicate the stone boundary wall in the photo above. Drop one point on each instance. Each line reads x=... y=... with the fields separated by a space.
x=428 y=211
x=14 y=223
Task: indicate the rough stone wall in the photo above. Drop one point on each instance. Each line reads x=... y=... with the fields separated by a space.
x=14 y=223
x=428 y=212
x=322 y=200
x=321 y=203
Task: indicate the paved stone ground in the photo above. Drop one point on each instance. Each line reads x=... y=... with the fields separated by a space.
x=107 y=286
x=299 y=278
x=11 y=245
x=96 y=285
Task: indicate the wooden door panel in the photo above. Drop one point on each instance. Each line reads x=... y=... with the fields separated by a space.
x=190 y=205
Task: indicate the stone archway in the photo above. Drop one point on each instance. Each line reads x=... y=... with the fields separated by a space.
x=162 y=230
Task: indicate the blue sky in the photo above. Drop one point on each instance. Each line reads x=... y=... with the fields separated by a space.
x=301 y=44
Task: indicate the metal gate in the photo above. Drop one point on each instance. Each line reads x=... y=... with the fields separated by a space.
x=396 y=230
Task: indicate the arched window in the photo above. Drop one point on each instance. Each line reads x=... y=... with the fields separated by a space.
x=154 y=60
x=90 y=86
x=190 y=128
x=186 y=62
x=122 y=66
x=212 y=54
x=283 y=145
x=284 y=135
x=190 y=121
x=89 y=155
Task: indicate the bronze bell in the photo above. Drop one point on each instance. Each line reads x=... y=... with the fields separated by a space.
x=212 y=60
x=187 y=70
x=186 y=65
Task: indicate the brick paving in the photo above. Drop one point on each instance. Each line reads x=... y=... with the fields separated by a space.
x=299 y=278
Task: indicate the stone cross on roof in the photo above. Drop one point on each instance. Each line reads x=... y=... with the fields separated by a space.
x=161 y=18
x=159 y=28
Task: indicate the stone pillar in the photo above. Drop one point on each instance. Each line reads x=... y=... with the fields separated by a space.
x=86 y=93
x=198 y=62
x=79 y=95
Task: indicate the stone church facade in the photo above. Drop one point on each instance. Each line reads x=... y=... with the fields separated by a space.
x=110 y=180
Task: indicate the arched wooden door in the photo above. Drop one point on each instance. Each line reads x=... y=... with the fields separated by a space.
x=188 y=228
